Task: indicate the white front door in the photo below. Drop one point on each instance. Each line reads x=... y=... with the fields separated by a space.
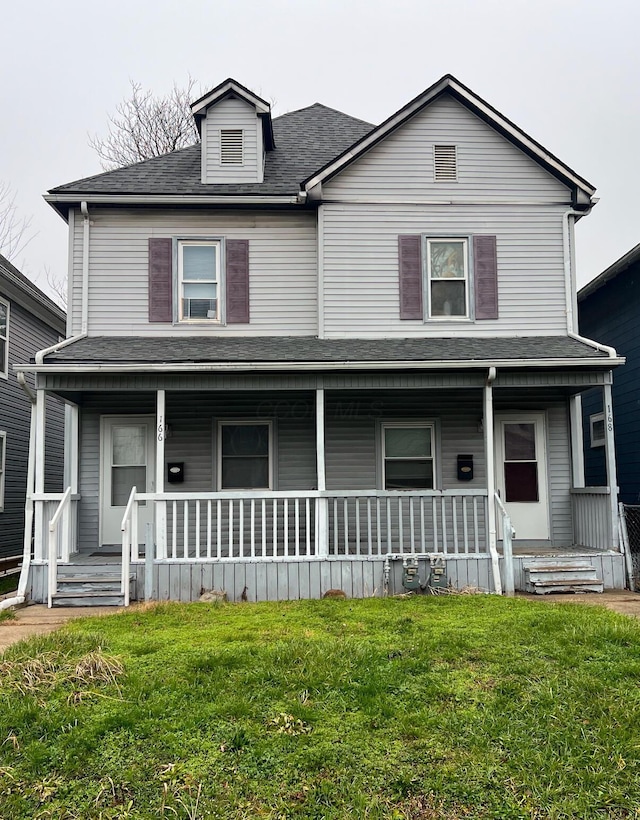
x=127 y=459
x=521 y=473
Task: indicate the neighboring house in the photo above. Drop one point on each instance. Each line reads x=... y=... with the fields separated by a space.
x=29 y=321
x=609 y=310
x=310 y=345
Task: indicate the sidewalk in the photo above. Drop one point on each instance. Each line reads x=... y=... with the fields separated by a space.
x=39 y=619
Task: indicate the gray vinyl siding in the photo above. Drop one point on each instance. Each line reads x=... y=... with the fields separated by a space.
x=490 y=168
x=360 y=269
x=282 y=269
x=232 y=114
x=27 y=335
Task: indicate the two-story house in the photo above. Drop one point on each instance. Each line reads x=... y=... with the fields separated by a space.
x=29 y=321
x=309 y=349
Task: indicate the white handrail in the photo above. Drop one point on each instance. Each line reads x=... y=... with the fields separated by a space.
x=53 y=546
x=127 y=536
x=508 y=534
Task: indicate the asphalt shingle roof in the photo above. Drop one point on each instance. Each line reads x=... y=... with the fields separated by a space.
x=305 y=141
x=276 y=349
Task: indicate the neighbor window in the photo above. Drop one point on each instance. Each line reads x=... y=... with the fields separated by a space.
x=199 y=280
x=3 y=459
x=4 y=339
x=408 y=456
x=244 y=461
x=596 y=425
x=447 y=278
x=231 y=146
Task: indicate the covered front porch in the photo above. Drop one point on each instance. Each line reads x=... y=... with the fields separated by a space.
x=156 y=489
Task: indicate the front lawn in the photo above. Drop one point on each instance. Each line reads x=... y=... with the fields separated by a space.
x=444 y=707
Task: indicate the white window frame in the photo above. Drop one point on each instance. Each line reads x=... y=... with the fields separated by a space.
x=239 y=423
x=597 y=441
x=467 y=279
x=4 y=361
x=199 y=242
x=3 y=465
x=386 y=425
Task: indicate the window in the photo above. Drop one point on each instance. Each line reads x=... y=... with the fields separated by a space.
x=444 y=163
x=447 y=278
x=596 y=425
x=3 y=459
x=408 y=456
x=244 y=461
x=231 y=146
x=520 y=462
x=4 y=339
x=199 y=280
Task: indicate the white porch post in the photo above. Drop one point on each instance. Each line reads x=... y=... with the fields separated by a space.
x=489 y=449
x=40 y=546
x=577 y=447
x=610 y=455
x=322 y=528
x=69 y=527
x=160 y=506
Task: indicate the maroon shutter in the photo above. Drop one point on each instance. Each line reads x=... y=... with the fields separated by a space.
x=160 y=280
x=485 y=277
x=237 y=280
x=410 y=269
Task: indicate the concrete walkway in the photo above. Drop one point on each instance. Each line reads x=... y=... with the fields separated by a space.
x=39 y=620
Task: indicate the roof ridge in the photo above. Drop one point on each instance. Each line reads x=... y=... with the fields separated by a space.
x=326 y=108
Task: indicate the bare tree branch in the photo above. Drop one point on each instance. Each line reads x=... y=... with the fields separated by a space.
x=146 y=125
x=15 y=231
x=57 y=287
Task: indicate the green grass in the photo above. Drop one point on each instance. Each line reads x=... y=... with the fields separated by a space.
x=9 y=583
x=6 y=615
x=416 y=708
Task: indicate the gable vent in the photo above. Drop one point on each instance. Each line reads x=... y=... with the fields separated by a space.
x=444 y=161
x=231 y=145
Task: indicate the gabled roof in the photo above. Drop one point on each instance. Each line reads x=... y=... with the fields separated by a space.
x=449 y=84
x=16 y=287
x=232 y=88
x=619 y=266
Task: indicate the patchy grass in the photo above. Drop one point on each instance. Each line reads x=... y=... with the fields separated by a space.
x=7 y=615
x=444 y=707
x=9 y=583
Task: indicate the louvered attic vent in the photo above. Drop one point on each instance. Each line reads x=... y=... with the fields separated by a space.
x=231 y=145
x=444 y=161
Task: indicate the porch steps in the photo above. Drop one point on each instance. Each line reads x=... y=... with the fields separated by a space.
x=91 y=585
x=559 y=575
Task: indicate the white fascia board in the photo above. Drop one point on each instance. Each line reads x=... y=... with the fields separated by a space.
x=475 y=102
x=164 y=199
x=226 y=88
x=241 y=367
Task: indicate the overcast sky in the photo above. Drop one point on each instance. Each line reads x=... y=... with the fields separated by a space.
x=566 y=71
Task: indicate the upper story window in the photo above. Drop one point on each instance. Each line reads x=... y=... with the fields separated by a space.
x=4 y=339
x=445 y=165
x=231 y=146
x=408 y=456
x=447 y=278
x=199 y=280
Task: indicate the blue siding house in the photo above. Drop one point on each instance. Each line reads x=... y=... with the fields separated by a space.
x=609 y=310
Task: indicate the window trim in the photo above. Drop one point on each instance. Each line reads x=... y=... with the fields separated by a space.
x=405 y=423
x=219 y=424
x=179 y=242
x=3 y=467
x=594 y=418
x=427 y=239
x=4 y=365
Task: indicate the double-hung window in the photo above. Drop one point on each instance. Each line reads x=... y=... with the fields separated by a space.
x=4 y=339
x=447 y=278
x=408 y=461
x=3 y=461
x=597 y=429
x=244 y=455
x=199 y=280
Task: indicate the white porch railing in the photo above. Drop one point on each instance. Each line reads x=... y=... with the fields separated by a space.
x=281 y=525
x=129 y=529
x=592 y=525
x=58 y=547
x=46 y=505
x=508 y=534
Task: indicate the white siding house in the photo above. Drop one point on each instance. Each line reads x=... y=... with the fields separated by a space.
x=310 y=350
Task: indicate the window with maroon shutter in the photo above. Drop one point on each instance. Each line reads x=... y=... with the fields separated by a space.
x=237 y=281
x=160 y=280
x=447 y=278
x=410 y=276
x=485 y=276
x=199 y=280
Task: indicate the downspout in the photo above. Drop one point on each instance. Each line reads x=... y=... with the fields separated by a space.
x=21 y=595
x=491 y=480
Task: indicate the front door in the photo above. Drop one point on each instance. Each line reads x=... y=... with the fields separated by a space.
x=521 y=473
x=127 y=460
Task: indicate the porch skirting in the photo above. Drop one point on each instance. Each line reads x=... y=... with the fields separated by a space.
x=293 y=579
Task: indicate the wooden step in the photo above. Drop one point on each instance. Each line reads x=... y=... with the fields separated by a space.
x=544 y=587
x=90 y=598
x=561 y=575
